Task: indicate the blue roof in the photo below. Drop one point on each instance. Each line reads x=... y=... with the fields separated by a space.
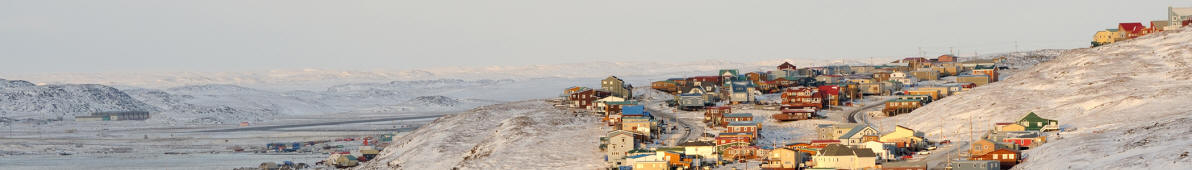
x=739 y=115
x=742 y=123
x=632 y=109
x=637 y=156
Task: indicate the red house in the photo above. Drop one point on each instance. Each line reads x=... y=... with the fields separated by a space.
x=587 y=98
x=706 y=80
x=1133 y=29
x=714 y=116
x=727 y=138
x=831 y=94
x=794 y=114
x=802 y=97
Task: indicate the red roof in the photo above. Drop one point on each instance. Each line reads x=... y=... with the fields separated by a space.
x=1131 y=27
x=830 y=89
x=1003 y=123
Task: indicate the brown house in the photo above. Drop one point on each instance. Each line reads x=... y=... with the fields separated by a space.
x=714 y=115
x=1008 y=158
x=946 y=58
x=586 y=99
x=665 y=86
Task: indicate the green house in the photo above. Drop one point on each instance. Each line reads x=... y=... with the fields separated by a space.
x=1033 y=122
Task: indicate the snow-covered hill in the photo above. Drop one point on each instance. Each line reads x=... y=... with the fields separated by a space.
x=519 y=135
x=17 y=96
x=1128 y=101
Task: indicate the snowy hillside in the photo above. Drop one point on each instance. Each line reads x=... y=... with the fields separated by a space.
x=1127 y=101
x=225 y=104
x=18 y=96
x=518 y=135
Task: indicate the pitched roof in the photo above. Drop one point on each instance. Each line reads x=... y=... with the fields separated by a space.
x=1034 y=118
x=786 y=65
x=1181 y=11
x=854 y=131
x=842 y=150
x=1131 y=26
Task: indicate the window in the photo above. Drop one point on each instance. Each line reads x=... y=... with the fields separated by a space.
x=1009 y=156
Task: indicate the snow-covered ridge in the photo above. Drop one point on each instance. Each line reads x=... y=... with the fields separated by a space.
x=518 y=135
x=18 y=96
x=1122 y=99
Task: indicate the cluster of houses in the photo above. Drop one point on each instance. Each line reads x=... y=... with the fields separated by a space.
x=1176 y=18
x=803 y=92
x=1002 y=147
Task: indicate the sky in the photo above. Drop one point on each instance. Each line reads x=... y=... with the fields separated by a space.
x=52 y=36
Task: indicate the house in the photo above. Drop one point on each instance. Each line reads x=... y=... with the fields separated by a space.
x=1178 y=17
x=647 y=161
x=1008 y=127
x=833 y=131
x=928 y=74
x=1006 y=157
x=639 y=125
x=843 y=157
x=1104 y=37
x=943 y=91
x=692 y=101
x=803 y=97
x=714 y=116
x=573 y=89
x=742 y=127
x=1033 y=122
x=738 y=117
x=619 y=144
x=983 y=146
x=946 y=58
x=612 y=111
x=884 y=151
x=787 y=66
x=701 y=149
x=974 y=165
x=900 y=106
x=933 y=92
x=586 y=99
x=1132 y=29
x=724 y=140
x=1024 y=139
x=904 y=137
x=858 y=135
x=742 y=92
x=829 y=78
x=831 y=95
x=602 y=105
x=740 y=152
x=783 y=159
x=919 y=165
x=988 y=70
x=794 y=114
x=978 y=80
x=1158 y=26
x=617 y=87
x=665 y=86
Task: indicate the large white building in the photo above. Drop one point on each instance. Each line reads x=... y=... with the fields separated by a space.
x=1177 y=16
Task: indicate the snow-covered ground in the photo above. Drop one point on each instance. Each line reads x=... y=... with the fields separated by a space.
x=1125 y=104
x=520 y=135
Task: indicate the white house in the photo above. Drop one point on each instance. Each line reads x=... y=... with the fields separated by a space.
x=882 y=150
x=619 y=144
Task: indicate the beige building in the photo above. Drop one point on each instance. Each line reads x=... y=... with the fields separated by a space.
x=705 y=149
x=783 y=158
x=843 y=157
x=617 y=87
x=1177 y=16
x=618 y=145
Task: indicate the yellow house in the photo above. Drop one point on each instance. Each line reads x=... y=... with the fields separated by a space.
x=906 y=137
x=1105 y=37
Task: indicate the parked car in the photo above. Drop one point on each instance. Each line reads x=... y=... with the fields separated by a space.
x=931 y=148
x=924 y=153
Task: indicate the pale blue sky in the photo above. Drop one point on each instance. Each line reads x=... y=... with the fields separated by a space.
x=237 y=35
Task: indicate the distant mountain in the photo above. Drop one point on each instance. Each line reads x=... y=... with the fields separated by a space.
x=1126 y=105
x=17 y=96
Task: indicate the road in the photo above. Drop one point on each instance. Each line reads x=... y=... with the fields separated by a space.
x=277 y=127
x=852 y=116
